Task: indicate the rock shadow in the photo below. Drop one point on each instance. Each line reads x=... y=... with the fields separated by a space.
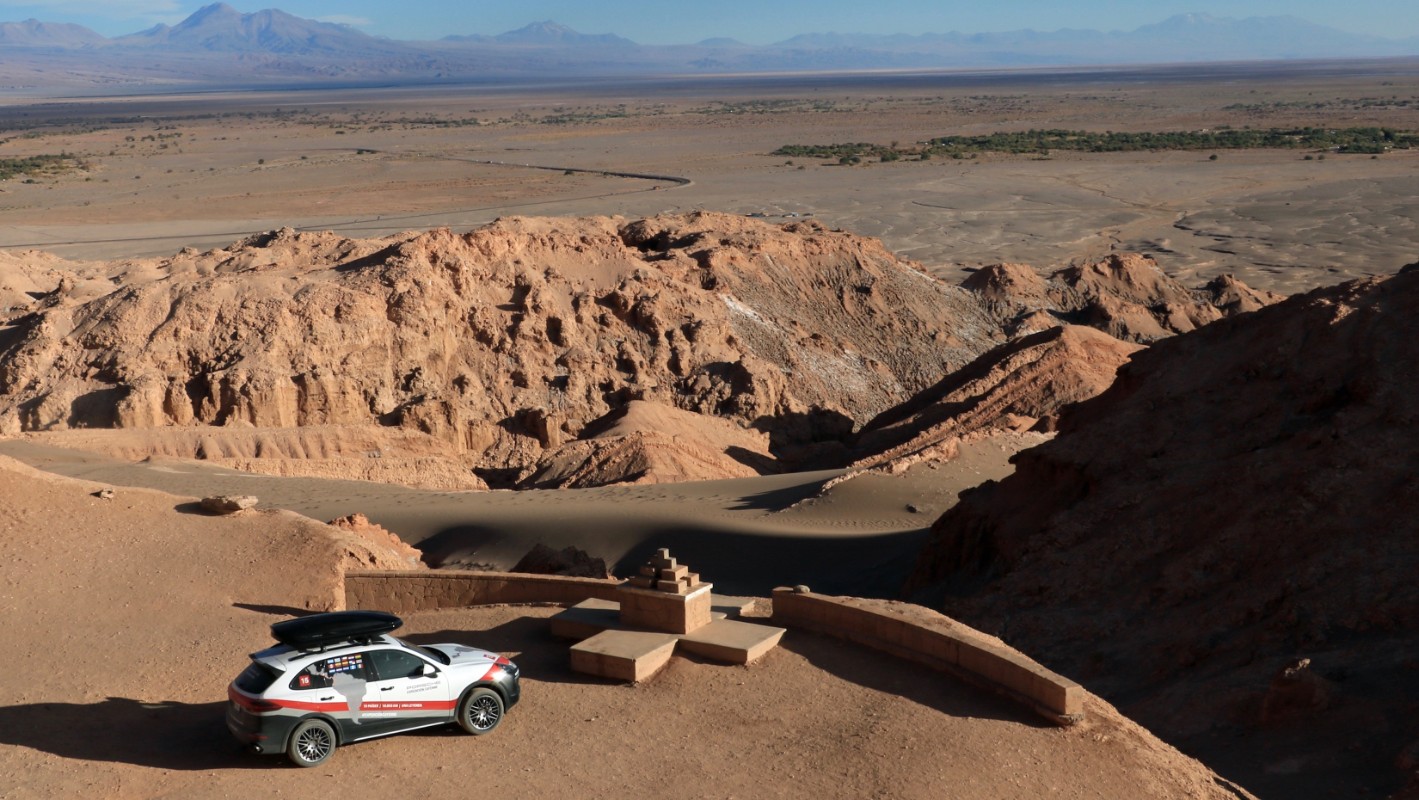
x=781 y=498
x=282 y=611
x=753 y=565
x=195 y=508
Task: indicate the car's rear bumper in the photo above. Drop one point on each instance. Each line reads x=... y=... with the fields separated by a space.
x=258 y=732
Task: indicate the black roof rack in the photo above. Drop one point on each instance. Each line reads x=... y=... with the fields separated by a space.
x=319 y=631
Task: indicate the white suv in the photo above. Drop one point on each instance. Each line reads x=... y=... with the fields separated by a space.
x=340 y=677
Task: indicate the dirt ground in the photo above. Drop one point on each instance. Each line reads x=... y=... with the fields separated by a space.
x=163 y=173
x=115 y=690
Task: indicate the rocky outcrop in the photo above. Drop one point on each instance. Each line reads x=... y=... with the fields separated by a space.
x=1125 y=295
x=1018 y=386
x=341 y=452
x=380 y=540
x=650 y=443
x=501 y=343
x=1239 y=499
x=228 y=504
x=466 y=359
x=33 y=280
x=569 y=562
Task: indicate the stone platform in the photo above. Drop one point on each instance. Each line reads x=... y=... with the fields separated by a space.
x=590 y=617
x=731 y=641
x=624 y=655
x=614 y=650
x=663 y=608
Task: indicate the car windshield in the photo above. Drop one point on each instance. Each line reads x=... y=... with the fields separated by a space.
x=427 y=652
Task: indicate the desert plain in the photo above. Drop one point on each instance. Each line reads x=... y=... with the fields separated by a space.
x=132 y=613
x=196 y=170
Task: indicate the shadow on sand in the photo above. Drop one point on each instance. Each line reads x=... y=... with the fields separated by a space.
x=753 y=564
x=868 y=565
x=938 y=690
x=781 y=498
x=167 y=735
x=279 y=611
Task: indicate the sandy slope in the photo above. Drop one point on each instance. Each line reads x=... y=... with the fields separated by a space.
x=126 y=618
x=747 y=535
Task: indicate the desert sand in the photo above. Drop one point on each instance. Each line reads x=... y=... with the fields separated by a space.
x=125 y=699
x=861 y=537
x=174 y=171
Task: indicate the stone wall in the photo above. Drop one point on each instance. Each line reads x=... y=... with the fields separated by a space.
x=902 y=629
x=426 y=590
x=926 y=637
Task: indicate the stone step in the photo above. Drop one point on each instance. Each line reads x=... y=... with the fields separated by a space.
x=731 y=641
x=623 y=655
x=586 y=619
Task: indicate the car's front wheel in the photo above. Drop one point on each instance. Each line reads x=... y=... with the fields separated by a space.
x=480 y=711
x=311 y=743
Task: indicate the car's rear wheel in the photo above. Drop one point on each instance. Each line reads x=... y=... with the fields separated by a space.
x=311 y=743
x=480 y=711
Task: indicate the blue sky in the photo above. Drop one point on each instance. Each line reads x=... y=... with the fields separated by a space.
x=753 y=21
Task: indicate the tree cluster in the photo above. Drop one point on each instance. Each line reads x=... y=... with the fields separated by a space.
x=1347 y=140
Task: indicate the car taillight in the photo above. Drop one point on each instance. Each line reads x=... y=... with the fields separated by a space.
x=253 y=704
x=503 y=661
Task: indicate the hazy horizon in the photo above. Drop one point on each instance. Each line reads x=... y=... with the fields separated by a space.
x=752 y=23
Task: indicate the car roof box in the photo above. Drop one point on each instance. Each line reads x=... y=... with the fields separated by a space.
x=322 y=630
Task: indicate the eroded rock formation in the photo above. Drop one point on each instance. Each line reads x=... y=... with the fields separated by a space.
x=1240 y=498
x=650 y=443
x=380 y=539
x=450 y=358
x=1018 y=386
x=1125 y=295
x=500 y=343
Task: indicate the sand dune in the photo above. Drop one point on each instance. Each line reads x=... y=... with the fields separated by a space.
x=860 y=538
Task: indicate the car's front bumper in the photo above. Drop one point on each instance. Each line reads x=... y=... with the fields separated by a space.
x=509 y=682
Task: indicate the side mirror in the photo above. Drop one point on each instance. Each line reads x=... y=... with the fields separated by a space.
x=429 y=671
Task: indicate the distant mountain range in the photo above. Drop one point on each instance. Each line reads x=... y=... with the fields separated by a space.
x=219 y=28
x=549 y=33
x=219 y=44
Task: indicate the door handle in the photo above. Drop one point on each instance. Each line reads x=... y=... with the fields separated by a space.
x=386 y=688
x=331 y=697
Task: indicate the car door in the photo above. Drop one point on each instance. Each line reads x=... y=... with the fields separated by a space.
x=405 y=692
x=337 y=687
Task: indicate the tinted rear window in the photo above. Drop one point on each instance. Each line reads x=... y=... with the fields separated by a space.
x=256 y=678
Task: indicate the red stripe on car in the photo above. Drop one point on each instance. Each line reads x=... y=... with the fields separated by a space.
x=396 y=705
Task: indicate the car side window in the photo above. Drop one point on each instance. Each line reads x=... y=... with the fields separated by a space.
x=321 y=674
x=391 y=664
